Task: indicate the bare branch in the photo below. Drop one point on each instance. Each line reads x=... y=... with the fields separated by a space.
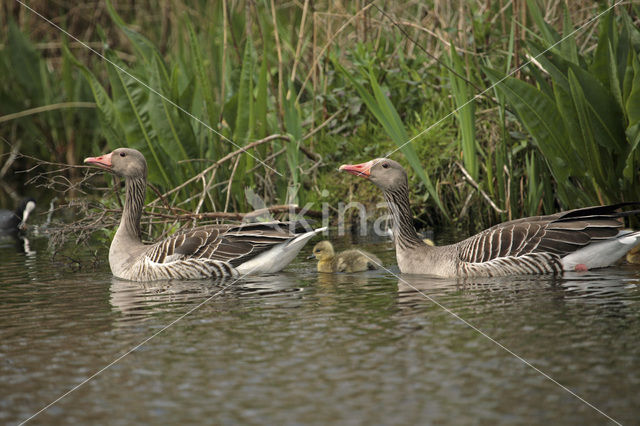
x=473 y=183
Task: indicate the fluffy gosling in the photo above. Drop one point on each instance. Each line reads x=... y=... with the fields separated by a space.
x=634 y=255
x=346 y=261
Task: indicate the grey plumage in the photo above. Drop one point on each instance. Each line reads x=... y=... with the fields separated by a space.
x=534 y=245
x=213 y=251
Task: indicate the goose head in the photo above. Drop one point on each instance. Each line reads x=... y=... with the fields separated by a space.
x=322 y=251
x=386 y=174
x=125 y=162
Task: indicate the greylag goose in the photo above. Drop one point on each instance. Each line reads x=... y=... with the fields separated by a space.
x=13 y=221
x=575 y=240
x=213 y=251
x=354 y=260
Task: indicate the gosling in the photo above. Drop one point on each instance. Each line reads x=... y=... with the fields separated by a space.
x=346 y=261
x=634 y=255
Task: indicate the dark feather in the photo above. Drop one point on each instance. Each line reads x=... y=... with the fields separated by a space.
x=559 y=234
x=233 y=244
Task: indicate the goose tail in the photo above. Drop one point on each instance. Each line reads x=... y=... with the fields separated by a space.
x=278 y=257
x=298 y=242
x=602 y=253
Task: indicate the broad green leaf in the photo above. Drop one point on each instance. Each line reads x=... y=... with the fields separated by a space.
x=542 y=80
x=601 y=63
x=605 y=112
x=555 y=65
x=541 y=118
x=633 y=100
x=107 y=113
x=144 y=48
x=623 y=44
x=568 y=46
x=597 y=165
x=549 y=35
x=567 y=110
x=630 y=171
x=171 y=125
x=629 y=75
x=138 y=128
x=614 y=82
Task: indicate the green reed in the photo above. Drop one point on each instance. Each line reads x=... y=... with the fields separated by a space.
x=342 y=83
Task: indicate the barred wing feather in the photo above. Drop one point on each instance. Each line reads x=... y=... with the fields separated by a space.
x=233 y=244
x=557 y=235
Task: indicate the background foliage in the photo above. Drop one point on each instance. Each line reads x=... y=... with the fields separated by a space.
x=189 y=83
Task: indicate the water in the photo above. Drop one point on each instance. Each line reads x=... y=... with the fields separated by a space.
x=305 y=348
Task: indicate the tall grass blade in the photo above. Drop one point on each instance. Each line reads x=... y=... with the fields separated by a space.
x=465 y=114
x=212 y=108
x=293 y=125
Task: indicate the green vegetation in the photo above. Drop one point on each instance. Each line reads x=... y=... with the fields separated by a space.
x=190 y=84
x=583 y=113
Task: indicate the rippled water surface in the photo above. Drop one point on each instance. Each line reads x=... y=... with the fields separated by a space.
x=306 y=348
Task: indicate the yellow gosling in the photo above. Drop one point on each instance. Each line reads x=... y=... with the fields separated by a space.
x=346 y=261
x=634 y=255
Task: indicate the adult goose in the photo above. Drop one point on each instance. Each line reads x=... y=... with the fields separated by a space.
x=574 y=240
x=14 y=221
x=354 y=260
x=213 y=251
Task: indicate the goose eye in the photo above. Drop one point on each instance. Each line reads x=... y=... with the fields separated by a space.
x=385 y=165
x=122 y=154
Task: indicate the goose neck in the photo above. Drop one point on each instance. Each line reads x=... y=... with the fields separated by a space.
x=134 y=202
x=404 y=233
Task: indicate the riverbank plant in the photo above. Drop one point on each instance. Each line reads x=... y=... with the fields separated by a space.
x=305 y=87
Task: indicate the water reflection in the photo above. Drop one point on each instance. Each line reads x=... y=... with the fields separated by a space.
x=316 y=348
x=600 y=282
x=18 y=242
x=18 y=259
x=613 y=285
x=140 y=301
x=137 y=301
x=330 y=282
x=608 y=291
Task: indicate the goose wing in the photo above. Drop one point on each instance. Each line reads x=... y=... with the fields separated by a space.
x=233 y=244
x=558 y=234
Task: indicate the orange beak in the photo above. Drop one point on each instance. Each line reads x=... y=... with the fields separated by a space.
x=104 y=161
x=362 y=170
